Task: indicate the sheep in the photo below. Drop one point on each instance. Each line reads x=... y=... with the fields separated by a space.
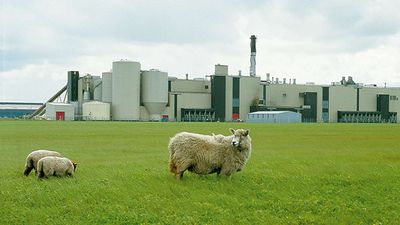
x=33 y=158
x=205 y=154
x=55 y=166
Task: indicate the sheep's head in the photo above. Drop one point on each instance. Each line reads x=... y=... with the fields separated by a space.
x=238 y=136
x=75 y=165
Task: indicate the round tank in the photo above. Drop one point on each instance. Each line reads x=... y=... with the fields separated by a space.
x=86 y=96
x=155 y=92
x=96 y=111
x=97 y=89
x=125 y=90
x=106 y=89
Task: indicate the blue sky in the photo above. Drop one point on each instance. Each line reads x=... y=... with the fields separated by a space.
x=312 y=41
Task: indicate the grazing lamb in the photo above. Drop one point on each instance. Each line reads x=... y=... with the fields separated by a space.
x=55 y=166
x=33 y=158
x=219 y=137
x=205 y=154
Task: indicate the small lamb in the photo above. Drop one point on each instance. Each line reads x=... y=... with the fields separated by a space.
x=55 y=166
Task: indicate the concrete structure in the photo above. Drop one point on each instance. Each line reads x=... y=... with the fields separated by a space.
x=154 y=92
x=97 y=89
x=59 y=111
x=329 y=103
x=126 y=90
x=106 y=90
x=150 y=95
x=253 y=39
x=232 y=96
x=274 y=117
x=96 y=110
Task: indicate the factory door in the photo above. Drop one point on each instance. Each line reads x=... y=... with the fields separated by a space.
x=60 y=115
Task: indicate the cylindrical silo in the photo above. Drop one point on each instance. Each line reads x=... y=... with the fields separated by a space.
x=97 y=86
x=125 y=90
x=155 y=92
x=95 y=110
x=106 y=89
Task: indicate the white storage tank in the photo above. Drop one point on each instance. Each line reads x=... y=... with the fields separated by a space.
x=106 y=89
x=125 y=90
x=96 y=110
x=155 y=92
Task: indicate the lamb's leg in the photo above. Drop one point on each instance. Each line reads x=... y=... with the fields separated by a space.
x=27 y=170
x=28 y=167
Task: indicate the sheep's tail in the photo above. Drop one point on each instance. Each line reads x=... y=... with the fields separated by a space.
x=40 y=169
x=28 y=167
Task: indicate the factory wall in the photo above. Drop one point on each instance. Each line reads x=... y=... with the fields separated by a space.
x=53 y=111
x=189 y=94
x=342 y=98
x=193 y=86
x=240 y=93
x=249 y=89
x=368 y=98
x=288 y=96
x=187 y=101
x=228 y=98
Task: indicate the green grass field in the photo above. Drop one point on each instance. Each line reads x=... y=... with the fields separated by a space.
x=297 y=174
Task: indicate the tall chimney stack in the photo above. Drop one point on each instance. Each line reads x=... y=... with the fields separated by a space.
x=253 y=56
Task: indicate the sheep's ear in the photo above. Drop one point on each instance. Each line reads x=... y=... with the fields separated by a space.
x=232 y=130
x=246 y=132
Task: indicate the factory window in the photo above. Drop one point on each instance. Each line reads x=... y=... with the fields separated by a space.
x=393 y=98
x=325 y=104
x=206 y=87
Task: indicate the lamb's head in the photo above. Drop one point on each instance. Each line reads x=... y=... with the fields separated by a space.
x=239 y=136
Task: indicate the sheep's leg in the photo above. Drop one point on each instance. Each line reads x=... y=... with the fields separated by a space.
x=180 y=169
x=179 y=172
x=41 y=175
x=225 y=172
x=179 y=175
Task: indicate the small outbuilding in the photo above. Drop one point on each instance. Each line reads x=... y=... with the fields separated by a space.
x=59 y=111
x=274 y=117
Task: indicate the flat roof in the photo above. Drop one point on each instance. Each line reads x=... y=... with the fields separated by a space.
x=271 y=112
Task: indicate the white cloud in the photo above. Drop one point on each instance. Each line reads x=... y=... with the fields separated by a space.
x=310 y=40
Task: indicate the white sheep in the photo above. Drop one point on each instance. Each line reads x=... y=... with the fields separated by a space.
x=55 y=166
x=33 y=158
x=205 y=154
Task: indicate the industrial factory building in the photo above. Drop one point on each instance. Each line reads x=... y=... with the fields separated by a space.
x=128 y=93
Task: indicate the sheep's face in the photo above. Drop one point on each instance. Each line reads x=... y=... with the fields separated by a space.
x=75 y=165
x=238 y=136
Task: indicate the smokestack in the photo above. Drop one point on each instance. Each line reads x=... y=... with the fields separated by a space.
x=187 y=76
x=253 y=56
